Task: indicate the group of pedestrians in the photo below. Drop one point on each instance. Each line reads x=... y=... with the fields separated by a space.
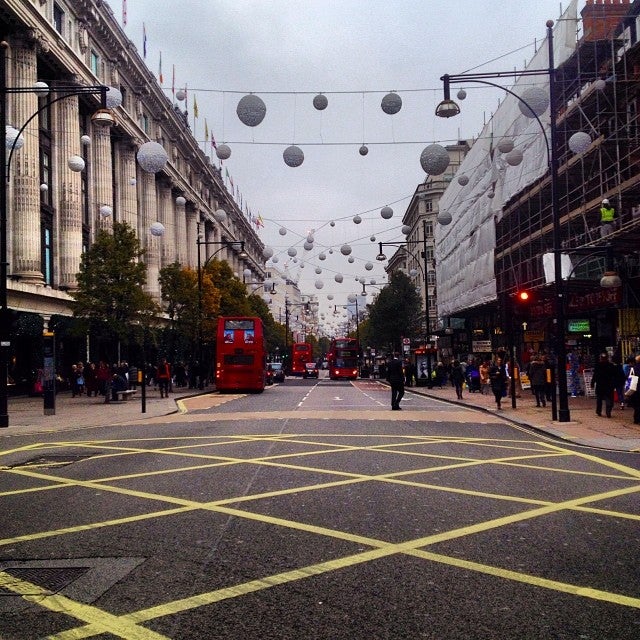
x=611 y=378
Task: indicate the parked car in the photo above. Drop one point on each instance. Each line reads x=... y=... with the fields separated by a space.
x=278 y=371
x=310 y=370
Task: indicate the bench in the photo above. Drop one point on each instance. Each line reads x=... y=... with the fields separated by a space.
x=126 y=394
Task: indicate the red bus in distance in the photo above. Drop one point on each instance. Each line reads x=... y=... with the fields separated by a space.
x=301 y=353
x=343 y=358
x=241 y=357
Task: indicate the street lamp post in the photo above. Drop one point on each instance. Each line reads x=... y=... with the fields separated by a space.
x=102 y=116
x=228 y=244
x=448 y=108
x=425 y=270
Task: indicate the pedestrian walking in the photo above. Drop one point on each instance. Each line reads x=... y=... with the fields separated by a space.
x=163 y=377
x=633 y=400
x=395 y=377
x=485 y=383
x=498 y=378
x=538 y=379
x=605 y=379
x=457 y=378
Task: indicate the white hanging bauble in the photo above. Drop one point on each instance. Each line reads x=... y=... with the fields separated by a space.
x=319 y=284
x=463 y=180
x=350 y=259
x=413 y=272
x=338 y=277
x=345 y=249
x=12 y=138
x=292 y=251
x=44 y=187
x=406 y=229
x=505 y=145
x=85 y=140
x=133 y=182
x=76 y=163
x=223 y=151
x=219 y=215
x=246 y=273
x=282 y=231
x=391 y=103
x=40 y=88
x=579 y=142
x=267 y=252
x=106 y=211
x=386 y=213
x=434 y=159
x=181 y=201
x=462 y=94
x=368 y=266
x=363 y=150
x=322 y=256
x=152 y=157
x=357 y=219
x=600 y=84
x=114 y=98
x=320 y=102
x=251 y=110
x=181 y=94
x=157 y=229
x=537 y=101
x=293 y=156
x=514 y=157
x=443 y=218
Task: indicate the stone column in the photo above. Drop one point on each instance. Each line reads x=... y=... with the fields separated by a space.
x=147 y=186
x=68 y=194
x=192 y=232
x=182 y=255
x=102 y=175
x=127 y=209
x=166 y=217
x=24 y=210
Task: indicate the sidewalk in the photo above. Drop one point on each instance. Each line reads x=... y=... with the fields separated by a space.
x=585 y=427
x=26 y=415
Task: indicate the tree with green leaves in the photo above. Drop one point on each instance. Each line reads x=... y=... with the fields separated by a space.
x=110 y=298
x=396 y=313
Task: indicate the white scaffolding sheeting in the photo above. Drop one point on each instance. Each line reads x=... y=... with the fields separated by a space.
x=465 y=248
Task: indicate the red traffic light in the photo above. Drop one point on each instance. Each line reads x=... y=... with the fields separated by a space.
x=523 y=296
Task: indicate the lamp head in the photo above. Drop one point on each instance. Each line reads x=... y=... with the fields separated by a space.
x=104 y=118
x=447 y=109
x=381 y=257
x=610 y=280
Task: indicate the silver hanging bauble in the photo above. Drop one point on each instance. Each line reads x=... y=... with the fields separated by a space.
x=251 y=110
x=292 y=251
x=357 y=219
x=152 y=157
x=308 y=245
x=514 y=157
x=391 y=103
x=351 y=259
x=345 y=249
x=462 y=94
x=181 y=201
x=319 y=284
x=282 y=231
x=338 y=277
x=157 y=229
x=320 y=102
x=76 y=163
x=293 y=156
x=368 y=266
x=406 y=229
x=537 y=102
x=40 y=88
x=463 y=180
x=318 y=270
x=579 y=142
x=181 y=94
x=219 y=215
x=386 y=213
x=114 y=98
x=322 y=256
x=85 y=140
x=267 y=252
x=363 y=150
x=443 y=218
x=223 y=152
x=12 y=138
x=505 y=145
x=106 y=211
x=434 y=159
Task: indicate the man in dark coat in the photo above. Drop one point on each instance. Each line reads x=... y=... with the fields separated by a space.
x=605 y=379
x=395 y=377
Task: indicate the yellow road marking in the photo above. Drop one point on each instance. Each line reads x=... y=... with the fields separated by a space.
x=99 y=620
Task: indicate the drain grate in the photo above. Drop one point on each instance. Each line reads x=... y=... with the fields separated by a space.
x=52 y=579
x=48 y=462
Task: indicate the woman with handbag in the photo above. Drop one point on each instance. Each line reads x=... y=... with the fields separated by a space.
x=633 y=400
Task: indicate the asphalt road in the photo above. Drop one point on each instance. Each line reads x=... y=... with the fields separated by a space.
x=314 y=511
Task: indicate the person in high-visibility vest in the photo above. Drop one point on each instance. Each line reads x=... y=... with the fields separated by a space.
x=607 y=218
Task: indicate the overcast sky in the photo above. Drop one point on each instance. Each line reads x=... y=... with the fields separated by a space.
x=355 y=52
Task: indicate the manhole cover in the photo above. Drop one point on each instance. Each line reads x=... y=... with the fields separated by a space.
x=51 y=579
x=51 y=461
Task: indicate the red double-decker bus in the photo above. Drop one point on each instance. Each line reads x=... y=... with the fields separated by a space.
x=241 y=357
x=343 y=358
x=301 y=353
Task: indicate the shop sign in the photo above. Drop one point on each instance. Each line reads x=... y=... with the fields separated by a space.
x=596 y=299
x=481 y=346
x=579 y=326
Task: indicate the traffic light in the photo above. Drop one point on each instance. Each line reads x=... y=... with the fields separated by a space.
x=523 y=297
x=523 y=300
